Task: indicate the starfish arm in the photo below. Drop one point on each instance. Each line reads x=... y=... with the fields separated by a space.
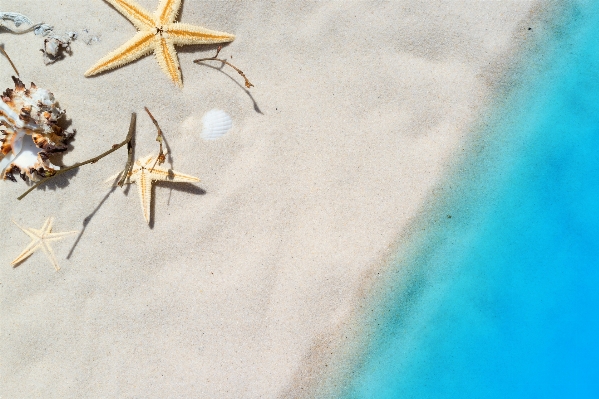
x=159 y=174
x=19 y=226
x=50 y=254
x=30 y=249
x=146 y=161
x=167 y=11
x=182 y=178
x=47 y=227
x=32 y=233
x=134 y=13
x=141 y=44
x=182 y=34
x=59 y=236
x=144 y=186
x=167 y=59
x=114 y=179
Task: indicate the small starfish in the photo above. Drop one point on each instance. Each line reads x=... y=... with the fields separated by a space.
x=158 y=33
x=41 y=239
x=145 y=172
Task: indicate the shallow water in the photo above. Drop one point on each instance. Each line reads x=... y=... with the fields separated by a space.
x=502 y=298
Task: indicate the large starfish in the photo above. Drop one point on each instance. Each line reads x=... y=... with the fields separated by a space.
x=158 y=33
x=146 y=171
x=41 y=239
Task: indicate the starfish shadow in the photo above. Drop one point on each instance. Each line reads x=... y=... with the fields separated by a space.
x=197 y=48
x=185 y=187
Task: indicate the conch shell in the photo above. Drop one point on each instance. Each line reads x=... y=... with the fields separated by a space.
x=29 y=132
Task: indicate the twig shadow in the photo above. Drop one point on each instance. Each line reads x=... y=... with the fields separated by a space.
x=220 y=69
x=88 y=219
x=198 y=48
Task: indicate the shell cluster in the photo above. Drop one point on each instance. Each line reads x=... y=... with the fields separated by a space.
x=29 y=132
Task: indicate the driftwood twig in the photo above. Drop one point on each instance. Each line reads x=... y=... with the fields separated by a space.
x=225 y=62
x=93 y=160
x=161 y=156
x=130 y=147
x=17 y=20
x=9 y=60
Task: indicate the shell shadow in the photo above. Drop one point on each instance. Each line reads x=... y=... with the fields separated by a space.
x=60 y=181
x=57 y=157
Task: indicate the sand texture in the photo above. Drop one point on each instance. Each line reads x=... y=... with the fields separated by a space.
x=243 y=281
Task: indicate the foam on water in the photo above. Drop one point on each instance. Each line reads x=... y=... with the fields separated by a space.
x=502 y=298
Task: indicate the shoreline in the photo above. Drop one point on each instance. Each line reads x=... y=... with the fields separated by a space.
x=433 y=234
x=355 y=339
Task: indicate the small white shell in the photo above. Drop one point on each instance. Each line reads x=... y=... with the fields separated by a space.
x=216 y=123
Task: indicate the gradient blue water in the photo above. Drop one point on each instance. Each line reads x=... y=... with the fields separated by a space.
x=503 y=299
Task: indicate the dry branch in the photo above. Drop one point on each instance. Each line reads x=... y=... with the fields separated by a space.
x=9 y=60
x=93 y=160
x=225 y=62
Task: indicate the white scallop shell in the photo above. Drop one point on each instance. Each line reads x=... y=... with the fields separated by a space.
x=216 y=123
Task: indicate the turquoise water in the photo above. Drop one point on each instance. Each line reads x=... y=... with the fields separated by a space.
x=501 y=300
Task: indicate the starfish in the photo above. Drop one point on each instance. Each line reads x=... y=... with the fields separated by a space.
x=41 y=239
x=145 y=171
x=158 y=33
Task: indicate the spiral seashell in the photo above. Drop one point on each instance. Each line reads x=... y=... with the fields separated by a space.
x=29 y=132
x=216 y=123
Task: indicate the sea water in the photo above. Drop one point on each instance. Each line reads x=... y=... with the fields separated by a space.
x=502 y=297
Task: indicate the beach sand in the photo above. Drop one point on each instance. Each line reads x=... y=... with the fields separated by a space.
x=243 y=286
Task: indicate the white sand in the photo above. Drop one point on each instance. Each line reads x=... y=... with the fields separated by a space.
x=236 y=293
